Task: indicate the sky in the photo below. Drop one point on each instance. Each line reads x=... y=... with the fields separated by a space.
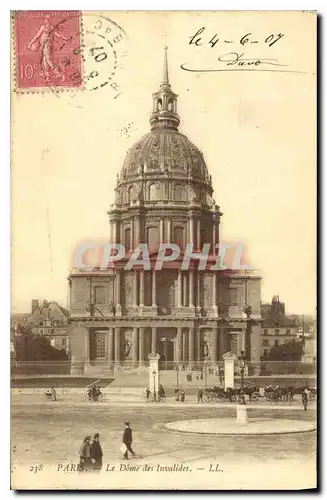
x=256 y=129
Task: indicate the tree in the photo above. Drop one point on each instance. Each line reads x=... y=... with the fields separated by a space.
x=291 y=351
x=31 y=347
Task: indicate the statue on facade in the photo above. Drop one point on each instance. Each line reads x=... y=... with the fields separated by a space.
x=111 y=307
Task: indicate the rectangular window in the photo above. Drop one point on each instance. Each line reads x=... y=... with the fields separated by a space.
x=99 y=295
x=276 y=331
x=265 y=352
x=265 y=331
x=101 y=345
x=64 y=343
x=265 y=342
x=52 y=331
x=288 y=331
x=276 y=343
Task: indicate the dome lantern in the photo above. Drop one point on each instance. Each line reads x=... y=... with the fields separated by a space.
x=164 y=113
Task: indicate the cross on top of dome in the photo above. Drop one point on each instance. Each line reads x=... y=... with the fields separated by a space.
x=164 y=113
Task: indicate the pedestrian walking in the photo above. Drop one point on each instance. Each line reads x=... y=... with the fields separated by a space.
x=200 y=395
x=305 y=400
x=96 y=452
x=85 y=454
x=53 y=394
x=182 y=395
x=127 y=440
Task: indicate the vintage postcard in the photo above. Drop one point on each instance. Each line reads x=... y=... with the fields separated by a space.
x=163 y=323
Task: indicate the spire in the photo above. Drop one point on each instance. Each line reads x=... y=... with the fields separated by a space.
x=165 y=80
x=164 y=113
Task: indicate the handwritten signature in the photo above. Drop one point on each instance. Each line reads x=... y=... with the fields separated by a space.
x=234 y=61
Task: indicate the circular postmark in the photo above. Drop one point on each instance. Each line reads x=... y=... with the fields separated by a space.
x=71 y=51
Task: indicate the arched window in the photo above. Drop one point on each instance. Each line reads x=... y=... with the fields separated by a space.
x=153 y=238
x=179 y=236
x=130 y=194
x=152 y=192
x=178 y=192
x=159 y=104
x=170 y=105
x=99 y=295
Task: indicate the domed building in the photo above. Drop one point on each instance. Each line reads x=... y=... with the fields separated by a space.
x=163 y=195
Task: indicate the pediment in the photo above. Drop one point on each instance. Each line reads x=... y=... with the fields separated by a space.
x=229 y=355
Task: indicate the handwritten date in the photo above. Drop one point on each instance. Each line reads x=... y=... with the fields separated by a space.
x=197 y=39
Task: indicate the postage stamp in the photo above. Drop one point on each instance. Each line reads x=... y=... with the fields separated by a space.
x=47 y=49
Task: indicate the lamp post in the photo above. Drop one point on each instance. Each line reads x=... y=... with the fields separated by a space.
x=154 y=373
x=242 y=365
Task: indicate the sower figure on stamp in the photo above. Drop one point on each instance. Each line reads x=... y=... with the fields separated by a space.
x=127 y=440
x=43 y=41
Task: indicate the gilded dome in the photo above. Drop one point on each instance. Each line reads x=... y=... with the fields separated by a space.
x=165 y=151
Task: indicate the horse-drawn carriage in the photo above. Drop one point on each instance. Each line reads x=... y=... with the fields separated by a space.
x=252 y=393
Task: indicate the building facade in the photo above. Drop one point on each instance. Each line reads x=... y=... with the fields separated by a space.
x=119 y=315
x=50 y=320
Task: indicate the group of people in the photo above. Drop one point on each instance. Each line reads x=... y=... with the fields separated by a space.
x=161 y=395
x=93 y=393
x=91 y=453
x=51 y=394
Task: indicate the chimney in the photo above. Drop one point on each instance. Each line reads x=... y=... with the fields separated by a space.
x=35 y=305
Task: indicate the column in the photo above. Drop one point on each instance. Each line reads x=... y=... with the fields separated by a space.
x=198 y=345
x=191 y=288
x=142 y=287
x=221 y=342
x=87 y=345
x=141 y=344
x=184 y=280
x=178 y=344
x=214 y=345
x=110 y=345
x=191 y=238
x=154 y=289
x=134 y=289
x=168 y=230
x=135 y=347
x=213 y=237
x=191 y=347
x=161 y=231
x=184 y=340
x=136 y=231
x=131 y=242
x=77 y=346
x=198 y=291
x=114 y=231
x=117 y=345
x=154 y=339
x=198 y=235
x=214 y=293
x=179 y=289
x=117 y=287
x=111 y=236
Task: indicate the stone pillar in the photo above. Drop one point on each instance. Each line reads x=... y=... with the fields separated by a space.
x=161 y=231
x=213 y=237
x=184 y=280
x=117 y=345
x=221 y=337
x=198 y=345
x=131 y=242
x=179 y=289
x=141 y=287
x=190 y=348
x=154 y=339
x=141 y=345
x=114 y=232
x=154 y=289
x=117 y=294
x=214 y=345
x=191 y=238
x=134 y=289
x=178 y=344
x=110 y=346
x=87 y=345
x=198 y=292
x=184 y=346
x=136 y=231
x=168 y=231
x=111 y=236
x=198 y=235
x=191 y=288
x=229 y=362
x=214 y=294
x=135 y=347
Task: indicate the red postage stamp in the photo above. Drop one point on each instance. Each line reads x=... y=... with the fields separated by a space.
x=48 y=49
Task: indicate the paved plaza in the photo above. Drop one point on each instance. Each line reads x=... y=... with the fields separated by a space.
x=50 y=435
